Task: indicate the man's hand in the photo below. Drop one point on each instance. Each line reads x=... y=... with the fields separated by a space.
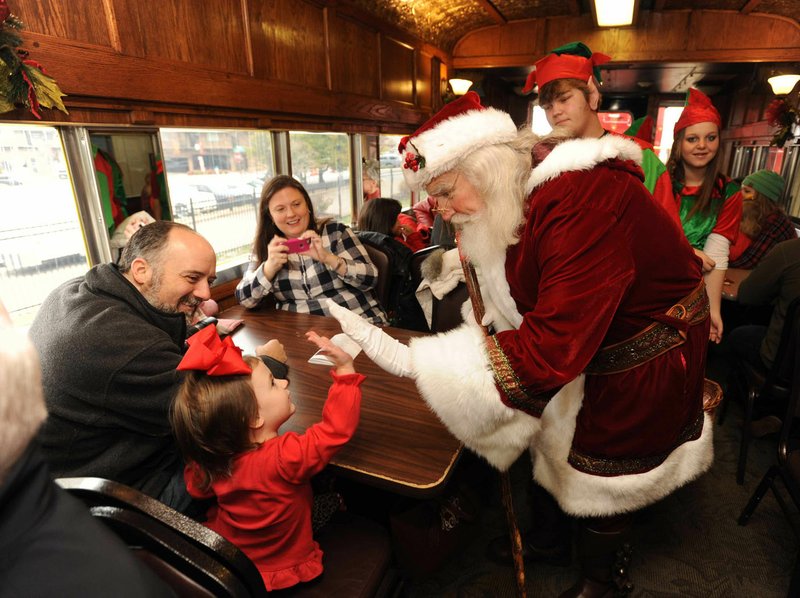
x=273 y=348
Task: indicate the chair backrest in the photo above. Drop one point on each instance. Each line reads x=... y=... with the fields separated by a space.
x=179 y=549
x=446 y=312
x=417 y=259
x=383 y=262
x=783 y=368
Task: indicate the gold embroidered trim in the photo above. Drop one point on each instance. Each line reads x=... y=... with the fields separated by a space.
x=509 y=382
x=612 y=467
x=656 y=339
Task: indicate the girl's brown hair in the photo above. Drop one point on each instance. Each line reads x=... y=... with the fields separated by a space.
x=266 y=228
x=755 y=212
x=211 y=417
x=379 y=215
x=677 y=174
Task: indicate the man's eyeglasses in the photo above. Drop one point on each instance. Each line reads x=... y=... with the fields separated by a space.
x=443 y=196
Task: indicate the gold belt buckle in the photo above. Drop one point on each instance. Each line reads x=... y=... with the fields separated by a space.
x=680 y=309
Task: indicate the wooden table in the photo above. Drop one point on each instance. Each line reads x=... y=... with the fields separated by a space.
x=733 y=278
x=400 y=445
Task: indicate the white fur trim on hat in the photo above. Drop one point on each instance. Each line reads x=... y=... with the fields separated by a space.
x=454 y=139
x=583 y=154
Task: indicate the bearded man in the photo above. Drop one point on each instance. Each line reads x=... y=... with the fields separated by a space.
x=109 y=343
x=598 y=325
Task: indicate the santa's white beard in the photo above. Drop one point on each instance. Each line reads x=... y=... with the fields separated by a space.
x=483 y=236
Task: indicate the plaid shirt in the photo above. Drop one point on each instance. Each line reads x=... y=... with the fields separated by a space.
x=303 y=282
x=777 y=228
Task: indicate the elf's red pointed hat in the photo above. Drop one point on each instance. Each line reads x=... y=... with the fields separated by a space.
x=571 y=61
x=457 y=130
x=642 y=128
x=698 y=109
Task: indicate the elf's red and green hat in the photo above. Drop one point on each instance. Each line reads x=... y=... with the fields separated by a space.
x=698 y=109
x=571 y=61
x=641 y=128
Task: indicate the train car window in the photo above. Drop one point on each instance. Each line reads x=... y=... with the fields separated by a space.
x=321 y=161
x=791 y=165
x=41 y=241
x=616 y=122
x=665 y=123
x=392 y=182
x=214 y=179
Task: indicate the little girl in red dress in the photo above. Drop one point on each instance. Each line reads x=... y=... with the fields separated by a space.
x=226 y=418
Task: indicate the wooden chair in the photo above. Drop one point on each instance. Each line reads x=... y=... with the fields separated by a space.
x=774 y=384
x=383 y=262
x=196 y=561
x=192 y=559
x=787 y=469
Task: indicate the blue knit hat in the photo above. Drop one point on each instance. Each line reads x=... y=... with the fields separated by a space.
x=767 y=183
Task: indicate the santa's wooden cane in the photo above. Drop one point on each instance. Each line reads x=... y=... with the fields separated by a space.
x=478 y=310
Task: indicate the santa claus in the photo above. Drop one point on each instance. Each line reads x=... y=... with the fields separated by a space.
x=597 y=316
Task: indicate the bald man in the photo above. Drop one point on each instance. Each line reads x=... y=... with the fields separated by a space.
x=109 y=344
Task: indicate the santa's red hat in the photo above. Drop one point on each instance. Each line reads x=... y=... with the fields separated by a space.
x=698 y=109
x=457 y=130
x=571 y=61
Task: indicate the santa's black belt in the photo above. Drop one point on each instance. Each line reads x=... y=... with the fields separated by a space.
x=667 y=332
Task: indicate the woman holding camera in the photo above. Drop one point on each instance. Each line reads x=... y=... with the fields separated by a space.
x=301 y=261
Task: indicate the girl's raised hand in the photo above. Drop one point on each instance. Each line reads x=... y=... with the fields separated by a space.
x=340 y=358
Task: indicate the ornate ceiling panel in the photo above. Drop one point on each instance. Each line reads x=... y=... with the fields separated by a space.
x=443 y=22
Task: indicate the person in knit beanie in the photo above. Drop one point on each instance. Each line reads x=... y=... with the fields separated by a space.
x=709 y=203
x=764 y=222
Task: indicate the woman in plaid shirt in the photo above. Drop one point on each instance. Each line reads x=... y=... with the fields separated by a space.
x=334 y=266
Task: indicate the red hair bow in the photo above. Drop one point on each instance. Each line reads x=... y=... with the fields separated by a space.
x=213 y=355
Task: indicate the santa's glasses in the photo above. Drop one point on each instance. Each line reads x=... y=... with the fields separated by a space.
x=442 y=194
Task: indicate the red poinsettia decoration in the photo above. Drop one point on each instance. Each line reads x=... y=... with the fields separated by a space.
x=23 y=82
x=780 y=113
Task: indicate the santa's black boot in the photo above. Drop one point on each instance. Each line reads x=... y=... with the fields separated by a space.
x=604 y=556
x=549 y=539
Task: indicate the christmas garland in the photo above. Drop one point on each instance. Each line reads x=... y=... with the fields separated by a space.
x=23 y=82
x=783 y=115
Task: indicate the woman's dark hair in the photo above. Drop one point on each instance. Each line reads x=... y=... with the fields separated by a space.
x=266 y=228
x=211 y=417
x=677 y=173
x=379 y=215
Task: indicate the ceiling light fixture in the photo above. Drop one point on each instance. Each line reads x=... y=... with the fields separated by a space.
x=614 y=13
x=783 y=84
x=460 y=86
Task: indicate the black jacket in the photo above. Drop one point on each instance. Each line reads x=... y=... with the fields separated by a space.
x=108 y=370
x=51 y=546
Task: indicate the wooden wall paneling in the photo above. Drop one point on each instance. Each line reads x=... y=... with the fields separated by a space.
x=90 y=22
x=679 y=35
x=518 y=42
x=738 y=110
x=744 y=32
x=397 y=71
x=288 y=41
x=202 y=33
x=424 y=89
x=355 y=57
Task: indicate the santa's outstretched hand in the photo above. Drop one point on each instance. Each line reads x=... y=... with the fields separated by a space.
x=387 y=352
